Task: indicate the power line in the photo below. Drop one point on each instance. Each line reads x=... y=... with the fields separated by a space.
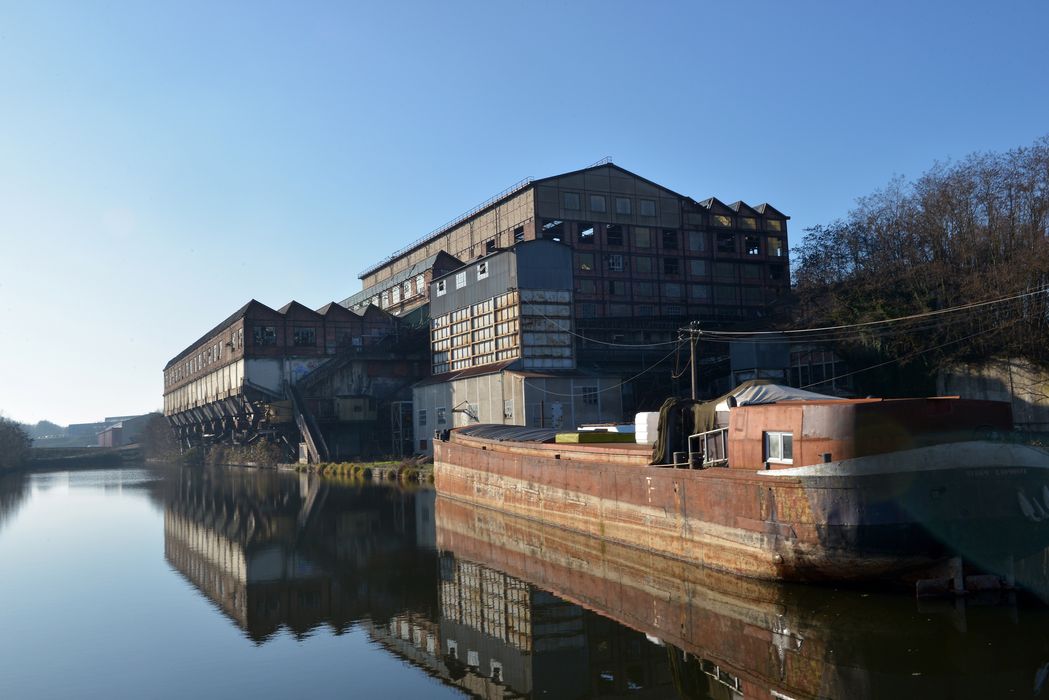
x=926 y=314
x=595 y=340
x=622 y=383
x=912 y=355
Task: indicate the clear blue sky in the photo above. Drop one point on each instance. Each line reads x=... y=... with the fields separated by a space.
x=162 y=163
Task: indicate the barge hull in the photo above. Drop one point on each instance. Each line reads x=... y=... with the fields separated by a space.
x=835 y=522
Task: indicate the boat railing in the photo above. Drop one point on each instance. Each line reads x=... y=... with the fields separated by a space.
x=708 y=449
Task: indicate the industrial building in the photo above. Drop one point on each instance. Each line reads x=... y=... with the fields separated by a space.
x=502 y=350
x=644 y=260
x=549 y=304
x=640 y=250
x=328 y=378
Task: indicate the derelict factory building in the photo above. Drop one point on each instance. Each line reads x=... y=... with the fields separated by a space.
x=635 y=261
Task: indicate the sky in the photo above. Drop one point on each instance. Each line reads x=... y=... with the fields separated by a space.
x=161 y=163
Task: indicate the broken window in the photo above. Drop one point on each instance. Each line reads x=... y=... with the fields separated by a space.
x=553 y=229
x=518 y=234
x=726 y=243
x=304 y=337
x=615 y=263
x=265 y=335
x=586 y=232
x=752 y=244
x=614 y=235
x=671 y=266
x=670 y=238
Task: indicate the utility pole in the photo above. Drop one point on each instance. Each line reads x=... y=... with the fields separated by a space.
x=694 y=332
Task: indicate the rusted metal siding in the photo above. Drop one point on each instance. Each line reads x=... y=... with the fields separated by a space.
x=849 y=429
x=896 y=518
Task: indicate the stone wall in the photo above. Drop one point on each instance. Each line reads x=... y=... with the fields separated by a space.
x=1018 y=381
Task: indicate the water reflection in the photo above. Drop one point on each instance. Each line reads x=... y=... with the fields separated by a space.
x=727 y=637
x=276 y=551
x=500 y=607
x=13 y=491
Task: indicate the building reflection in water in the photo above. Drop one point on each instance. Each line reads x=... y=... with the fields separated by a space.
x=506 y=608
x=275 y=550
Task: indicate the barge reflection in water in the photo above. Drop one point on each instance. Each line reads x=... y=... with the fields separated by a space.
x=321 y=583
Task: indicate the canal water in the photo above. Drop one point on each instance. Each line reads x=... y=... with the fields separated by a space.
x=228 y=583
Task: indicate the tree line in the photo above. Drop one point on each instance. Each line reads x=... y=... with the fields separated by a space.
x=14 y=445
x=961 y=234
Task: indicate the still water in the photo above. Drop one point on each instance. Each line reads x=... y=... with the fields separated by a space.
x=228 y=583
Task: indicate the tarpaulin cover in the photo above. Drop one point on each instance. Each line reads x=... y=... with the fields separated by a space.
x=512 y=433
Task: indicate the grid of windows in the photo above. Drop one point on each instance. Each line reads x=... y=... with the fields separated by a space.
x=482 y=333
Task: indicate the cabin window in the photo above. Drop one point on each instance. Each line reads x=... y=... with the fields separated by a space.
x=441 y=288
x=779 y=447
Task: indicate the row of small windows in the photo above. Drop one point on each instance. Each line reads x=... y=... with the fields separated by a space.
x=617 y=235
x=721 y=294
x=589 y=310
x=301 y=337
x=397 y=293
x=624 y=206
x=209 y=355
x=481 y=271
x=616 y=262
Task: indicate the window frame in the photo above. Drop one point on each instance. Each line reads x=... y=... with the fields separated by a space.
x=775 y=438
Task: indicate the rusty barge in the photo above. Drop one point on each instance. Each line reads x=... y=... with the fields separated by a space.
x=791 y=490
